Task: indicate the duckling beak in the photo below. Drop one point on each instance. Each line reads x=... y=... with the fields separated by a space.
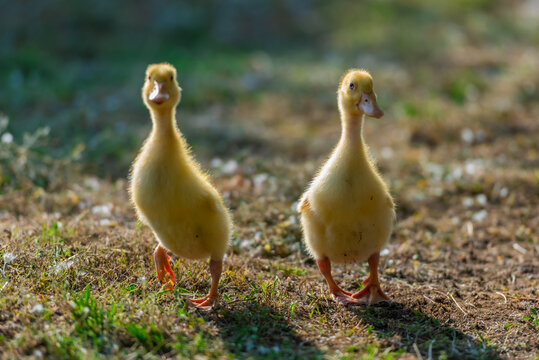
x=159 y=93
x=368 y=105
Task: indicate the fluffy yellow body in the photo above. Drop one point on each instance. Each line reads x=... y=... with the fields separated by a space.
x=347 y=212
x=175 y=199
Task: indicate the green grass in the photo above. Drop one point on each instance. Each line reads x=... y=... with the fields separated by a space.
x=532 y=317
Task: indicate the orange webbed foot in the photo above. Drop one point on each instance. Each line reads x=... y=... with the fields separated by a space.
x=343 y=297
x=205 y=303
x=162 y=266
x=371 y=294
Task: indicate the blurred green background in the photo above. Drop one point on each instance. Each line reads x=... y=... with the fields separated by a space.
x=251 y=70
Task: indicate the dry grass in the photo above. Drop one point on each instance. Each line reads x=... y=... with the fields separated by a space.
x=458 y=146
x=78 y=279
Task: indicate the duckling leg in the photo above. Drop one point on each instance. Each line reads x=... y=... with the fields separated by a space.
x=162 y=266
x=341 y=296
x=206 y=303
x=372 y=293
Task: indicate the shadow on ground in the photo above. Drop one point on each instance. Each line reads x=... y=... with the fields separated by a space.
x=414 y=331
x=260 y=331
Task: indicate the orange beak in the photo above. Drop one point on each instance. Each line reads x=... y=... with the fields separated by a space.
x=369 y=106
x=159 y=93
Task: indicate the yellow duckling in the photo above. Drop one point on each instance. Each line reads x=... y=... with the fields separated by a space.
x=347 y=212
x=170 y=192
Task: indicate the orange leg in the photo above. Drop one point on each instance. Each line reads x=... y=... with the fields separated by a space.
x=206 y=303
x=372 y=292
x=162 y=266
x=341 y=296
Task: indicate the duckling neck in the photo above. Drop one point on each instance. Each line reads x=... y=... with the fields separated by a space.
x=352 y=133
x=164 y=124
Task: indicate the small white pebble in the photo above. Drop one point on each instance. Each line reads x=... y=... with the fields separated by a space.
x=38 y=309
x=230 y=167
x=504 y=192
x=245 y=243
x=467 y=201
x=216 y=163
x=294 y=246
x=470 y=168
x=384 y=252
x=105 y=222
x=455 y=174
x=259 y=179
x=64 y=265
x=481 y=199
x=386 y=152
x=7 y=138
x=102 y=210
x=8 y=257
x=436 y=171
x=38 y=353
x=480 y=215
x=469 y=228
x=92 y=183
x=467 y=135
x=519 y=248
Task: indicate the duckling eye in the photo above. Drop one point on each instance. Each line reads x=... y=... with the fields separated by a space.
x=171 y=77
x=149 y=78
x=352 y=86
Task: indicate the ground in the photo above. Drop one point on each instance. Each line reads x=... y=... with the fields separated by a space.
x=458 y=147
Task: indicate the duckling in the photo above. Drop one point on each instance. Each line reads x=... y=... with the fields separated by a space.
x=347 y=212
x=170 y=192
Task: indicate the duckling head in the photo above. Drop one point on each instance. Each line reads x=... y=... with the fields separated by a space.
x=161 y=91
x=356 y=95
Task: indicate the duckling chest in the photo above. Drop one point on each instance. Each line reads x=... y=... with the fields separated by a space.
x=162 y=190
x=351 y=194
